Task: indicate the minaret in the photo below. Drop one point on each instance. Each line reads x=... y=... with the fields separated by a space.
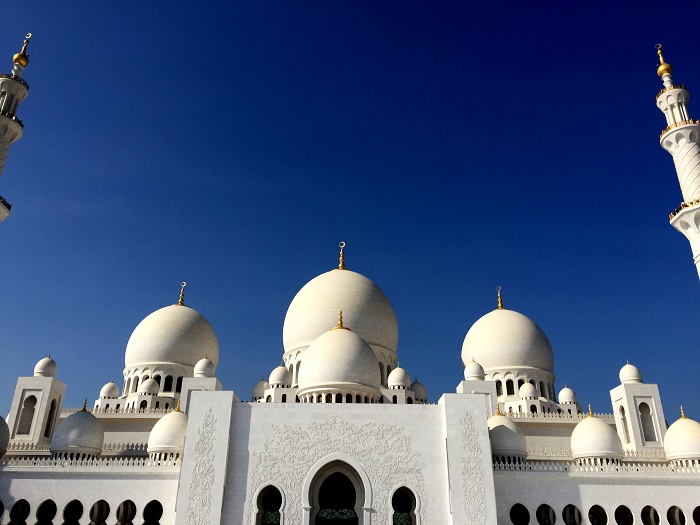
x=13 y=90
x=681 y=139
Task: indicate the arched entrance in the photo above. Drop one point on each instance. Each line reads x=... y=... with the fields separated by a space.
x=337 y=496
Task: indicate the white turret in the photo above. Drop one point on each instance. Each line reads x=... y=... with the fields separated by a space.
x=13 y=90
x=681 y=139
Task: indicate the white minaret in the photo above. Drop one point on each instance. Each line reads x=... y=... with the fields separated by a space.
x=681 y=139
x=13 y=90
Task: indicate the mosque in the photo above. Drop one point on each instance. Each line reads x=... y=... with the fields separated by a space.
x=338 y=433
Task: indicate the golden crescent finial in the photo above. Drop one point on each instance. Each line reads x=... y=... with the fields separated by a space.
x=498 y=409
x=181 y=302
x=177 y=408
x=683 y=413
x=664 y=68
x=341 y=264
x=590 y=412
x=340 y=322
x=22 y=58
x=500 y=299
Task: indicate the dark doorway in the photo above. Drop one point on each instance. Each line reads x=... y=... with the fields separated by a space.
x=337 y=499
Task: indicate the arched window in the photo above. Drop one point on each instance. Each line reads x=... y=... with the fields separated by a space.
x=550 y=388
x=269 y=505
x=339 y=398
x=296 y=375
x=499 y=388
x=178 y=386
x=127 y=385
x=674 y=515
x=409 y=401
x=403 y=502
x=623 y=424
x=126 y=512
x=597 y=515
x=545 y=515
x=647 y=422
x=27 y=416
x=136 y=384
x=358 y=398
x=571 y=515
x=157 y=404
x=46 y=512
x=650 y=516
x=348 y=398
x=337 y=494
x=533 y=409
x=329 y=398
x=520 y=383
x=157 y=379
x=99 y=512
x=72 y=513
x=284 y=398
x=168 y=384
x=623 y=516
x=519 y=515
x=394 y=399
x=49 y=421
x=509 y=388
x=268 y=399
x=543 y=390
x=152 y=513
x=388 y=370
x=19 y=512
x=381 y=373
x=319 y=398
x=366 y=399
x=143 y=405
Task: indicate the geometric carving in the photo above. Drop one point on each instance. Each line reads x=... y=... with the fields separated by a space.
x=383 y=450
x=199 y=497
x=473 y=492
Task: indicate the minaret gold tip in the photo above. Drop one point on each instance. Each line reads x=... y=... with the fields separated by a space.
x=177 y=408
x=500 y=299
x=590 y=412
x=498 y=409
x=341 y=263
x=22 y=58
x=181 y=302
x=664 y=68
x=683 y=413
x=340 y=322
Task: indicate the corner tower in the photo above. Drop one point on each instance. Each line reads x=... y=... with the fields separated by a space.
x=13 y=90
x=681 y=139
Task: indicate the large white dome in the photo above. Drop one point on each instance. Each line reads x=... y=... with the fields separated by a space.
x=594 y=438
x=175 y=334
x=315 y=307
x=168 y=434
x=504 y=339
x=682 y=440
x=339 y=358
x=81 y=433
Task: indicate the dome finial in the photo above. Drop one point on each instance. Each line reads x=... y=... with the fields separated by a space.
x=84 y=409
x=177 y=408
x=498 y=409
x=664 y=68
x=341 y=264
x=500 y=300
x=590 y=412
x=181 y=302
x=340 y=322
x=683 y=413
x=22 y=58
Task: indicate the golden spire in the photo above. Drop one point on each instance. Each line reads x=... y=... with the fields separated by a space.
x=664 y=68
x=22 y=58
x=683 y=413
x=181 y=302
x=340 y=322
x=500 y=300
x=590 y=412
x=84 y=409
x=177 y=408
x=341 y=264
x=498 y=409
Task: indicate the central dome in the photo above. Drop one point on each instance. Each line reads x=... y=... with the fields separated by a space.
x=174 y=334
x=315 y=308
x=505 y=339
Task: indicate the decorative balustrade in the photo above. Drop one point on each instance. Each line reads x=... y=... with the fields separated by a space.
x=67 y=411
x=12 y=117
x=16 y=79
x=612 y=468
x=683 y=206
x=557 y=415
x=669 y=88
x=18 y=446
x=100 y=462
x=678 y=124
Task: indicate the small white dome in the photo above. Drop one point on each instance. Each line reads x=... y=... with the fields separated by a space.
x=4 y=436
x=338 y=358
x=259 y=389
x=149 y=386
x=528 y=390
x=204 y=368
x=168 y=434
x=682 y=440
x=505 y=339
x=630 y=374
x=280 y=376
x=567 y=396
x=315 y=307
x=174 y=334
x=473 y=371
x=110 y=390
x=399 y=378
x=81 y=433
x=506 y=437
x=46 y=367
x=594 y=438
x=419 y=390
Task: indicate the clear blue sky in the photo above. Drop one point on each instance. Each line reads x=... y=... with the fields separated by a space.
x=455 y=146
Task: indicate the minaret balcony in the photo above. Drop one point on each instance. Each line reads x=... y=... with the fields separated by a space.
x=16 y=79
x=682 y=207
x=5 y=208
x=678 y=125
x=13 y=118
x=669 y=88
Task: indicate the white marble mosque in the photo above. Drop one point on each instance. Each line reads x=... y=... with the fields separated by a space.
x=339 y=433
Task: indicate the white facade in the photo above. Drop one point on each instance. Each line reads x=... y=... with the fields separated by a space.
x=338 y=434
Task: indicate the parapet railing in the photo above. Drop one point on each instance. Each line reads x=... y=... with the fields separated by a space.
x=560 y=452
x=107 y=447
x=557 y=415
x=683 y=206
x=669 y=88
x=12 y=117
x=66 y=411
x=677 y=125
x=15 y=78
x=6 y=204
x=102 y=462
x=621 y=468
